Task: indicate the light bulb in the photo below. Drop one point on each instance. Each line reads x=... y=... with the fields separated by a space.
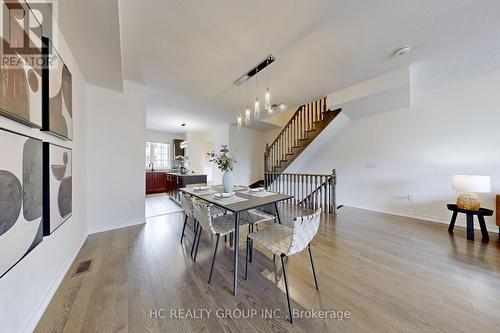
x=283 y=107
x=247 y=116
x=239 y=121
x=267 y=101
x=256 y=110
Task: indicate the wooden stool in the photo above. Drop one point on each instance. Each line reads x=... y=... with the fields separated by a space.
x=481 y=213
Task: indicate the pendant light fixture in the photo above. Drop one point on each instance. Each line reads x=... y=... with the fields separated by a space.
x=239 y=119
x=256 y=110
x=247 y=111
x=267 y=97
x=245 y=115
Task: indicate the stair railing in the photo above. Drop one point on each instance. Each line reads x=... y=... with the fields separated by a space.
x=308 y=190
x=303 y=121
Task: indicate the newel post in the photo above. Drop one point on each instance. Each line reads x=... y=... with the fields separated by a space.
x=266 y=164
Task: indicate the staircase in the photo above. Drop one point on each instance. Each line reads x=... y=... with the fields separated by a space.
x=308 y=190
x=306 y=124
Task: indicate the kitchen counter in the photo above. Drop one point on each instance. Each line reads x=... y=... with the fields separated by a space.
x=176 y=173
x=163 y=181
x=185 y=175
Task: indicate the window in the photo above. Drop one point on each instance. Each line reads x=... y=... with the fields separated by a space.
x=157 y=155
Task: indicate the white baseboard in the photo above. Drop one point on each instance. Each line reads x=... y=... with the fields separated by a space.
x=491 y=228
x=38 y=311
x=117 y=225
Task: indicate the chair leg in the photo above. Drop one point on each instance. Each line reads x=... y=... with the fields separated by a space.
x=195 y=235
x=312 y=266
x=286 y=288
x=251 y=251
x=184 y=227
x=246 y=258
x=231 y=240
x=213 y=259
x=200 y=229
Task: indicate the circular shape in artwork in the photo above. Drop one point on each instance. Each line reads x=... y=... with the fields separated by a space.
x=11 y=197
x=64 y=197
x=33 y=80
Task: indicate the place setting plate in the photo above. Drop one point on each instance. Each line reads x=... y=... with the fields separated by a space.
x=201 y=189
x=259 y=192
x=227 y=198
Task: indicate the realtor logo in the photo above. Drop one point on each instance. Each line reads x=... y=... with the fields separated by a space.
x=22 y=27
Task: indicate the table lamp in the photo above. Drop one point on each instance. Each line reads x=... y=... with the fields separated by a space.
x=469 y=185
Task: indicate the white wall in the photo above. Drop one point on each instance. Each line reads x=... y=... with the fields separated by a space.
x=115 y=156
x=198 y=145
x=449 y=130
x=220 y=136
x=26 y=290
x=248 y=147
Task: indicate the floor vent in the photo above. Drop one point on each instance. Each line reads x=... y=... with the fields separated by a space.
x=83 y=267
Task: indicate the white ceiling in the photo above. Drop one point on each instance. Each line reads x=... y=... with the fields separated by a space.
x=188 y=53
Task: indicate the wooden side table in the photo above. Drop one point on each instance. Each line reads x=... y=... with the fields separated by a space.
x=481 y=213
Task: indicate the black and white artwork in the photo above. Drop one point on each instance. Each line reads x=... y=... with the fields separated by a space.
x=56 y=94
x=57 y=184
x=21 y=192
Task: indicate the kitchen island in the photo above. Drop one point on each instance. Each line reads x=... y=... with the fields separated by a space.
x=170 y=182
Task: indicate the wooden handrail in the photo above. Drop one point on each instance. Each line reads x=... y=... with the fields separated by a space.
x=333 y=177
x=297 y=174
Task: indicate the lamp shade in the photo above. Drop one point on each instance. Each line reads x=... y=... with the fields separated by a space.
x=470 y=183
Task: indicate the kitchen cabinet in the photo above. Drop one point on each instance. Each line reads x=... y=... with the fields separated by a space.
x=156 y=182
x=175 y=181
x=170 y=183
x=178 y=151
x=150 y=183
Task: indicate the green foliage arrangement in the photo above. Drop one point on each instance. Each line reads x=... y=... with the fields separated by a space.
x=224 y=160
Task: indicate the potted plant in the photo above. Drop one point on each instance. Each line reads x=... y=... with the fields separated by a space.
x=225 y=163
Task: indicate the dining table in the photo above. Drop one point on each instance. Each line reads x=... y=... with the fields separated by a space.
x=242 y=200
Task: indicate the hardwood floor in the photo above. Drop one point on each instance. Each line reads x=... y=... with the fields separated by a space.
x=391 y=273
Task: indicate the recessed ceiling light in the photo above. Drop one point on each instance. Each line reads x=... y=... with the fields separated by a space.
x=183 y=124
x=402 y=51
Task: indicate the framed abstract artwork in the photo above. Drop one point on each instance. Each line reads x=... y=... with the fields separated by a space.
x=21 y=65
x=21 y=227
x=57 y=108
x=57 y=186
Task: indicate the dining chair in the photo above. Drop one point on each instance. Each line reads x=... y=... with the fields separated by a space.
x=218 y=225
x=256 y=217
x=187 y=206
x=285 y=241
x=215 y=210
